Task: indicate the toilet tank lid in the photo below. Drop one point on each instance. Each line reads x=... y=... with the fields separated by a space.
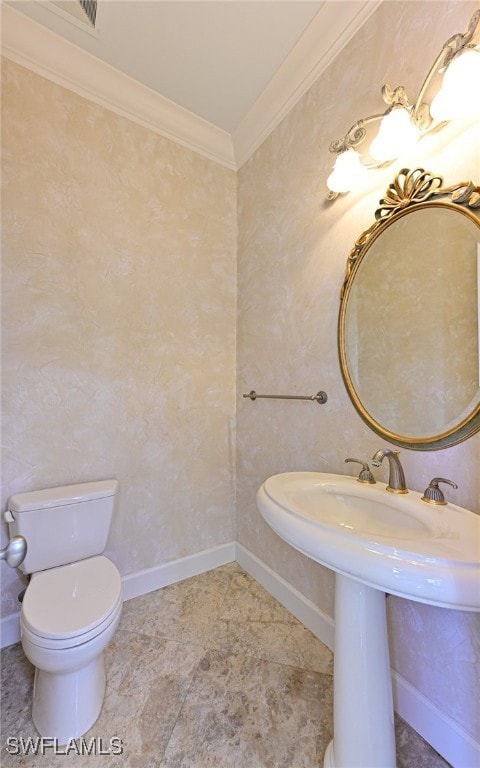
x=59 y=497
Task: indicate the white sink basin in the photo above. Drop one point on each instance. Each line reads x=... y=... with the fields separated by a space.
x=376 y=542
x=393 y=542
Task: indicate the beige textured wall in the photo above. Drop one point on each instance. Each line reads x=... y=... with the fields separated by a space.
x=291 y=259
x=119 y=301
x=118 y=321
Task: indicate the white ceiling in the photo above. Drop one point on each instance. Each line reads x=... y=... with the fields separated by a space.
x=214 y=58
x=218 y=59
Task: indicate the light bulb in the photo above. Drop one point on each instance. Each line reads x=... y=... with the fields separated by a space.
x=348 y=172
x=396 y=136
x=458 y=94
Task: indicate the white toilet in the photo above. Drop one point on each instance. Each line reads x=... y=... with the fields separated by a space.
x=72 y=604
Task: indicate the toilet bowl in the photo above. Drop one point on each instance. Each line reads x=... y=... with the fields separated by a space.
x=69 y=615
x=72 y=605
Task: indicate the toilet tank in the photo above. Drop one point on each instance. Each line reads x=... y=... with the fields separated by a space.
x=62 y=525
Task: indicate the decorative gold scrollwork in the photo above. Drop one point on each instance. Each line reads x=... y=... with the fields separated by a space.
x=408 y=187
x=457 y=42
x=468 y=195
x=354 y=136
x=395 y=96
x=411 y=187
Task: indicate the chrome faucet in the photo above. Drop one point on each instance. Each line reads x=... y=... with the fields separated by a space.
x=396 y=478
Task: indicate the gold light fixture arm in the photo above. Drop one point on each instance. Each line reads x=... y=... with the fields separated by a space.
x=418 y=111
x=395 y=97
x=355 y=135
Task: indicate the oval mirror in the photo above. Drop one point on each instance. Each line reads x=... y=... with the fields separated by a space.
x=409 y=323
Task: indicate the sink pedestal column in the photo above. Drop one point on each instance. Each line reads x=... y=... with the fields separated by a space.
x=364 y=735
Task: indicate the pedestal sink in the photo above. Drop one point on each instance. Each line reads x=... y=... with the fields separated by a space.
x=376 y=542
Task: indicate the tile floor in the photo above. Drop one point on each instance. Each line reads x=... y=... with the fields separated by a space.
x=208 y=673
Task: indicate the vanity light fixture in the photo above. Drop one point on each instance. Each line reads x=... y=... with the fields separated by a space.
x=449 y=92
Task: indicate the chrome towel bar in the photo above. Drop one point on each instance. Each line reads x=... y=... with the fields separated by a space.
x=320 y=397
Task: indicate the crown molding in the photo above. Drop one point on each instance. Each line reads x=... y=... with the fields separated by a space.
x=47 y=54
x=328 y=32
x=32 y=45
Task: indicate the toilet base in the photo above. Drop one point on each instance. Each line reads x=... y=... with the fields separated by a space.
x=66 y=705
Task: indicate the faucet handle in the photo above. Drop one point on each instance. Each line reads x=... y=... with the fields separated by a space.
x=433 y=494
x=365 y=475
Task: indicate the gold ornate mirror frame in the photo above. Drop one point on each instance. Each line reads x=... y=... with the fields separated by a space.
x=411 y=191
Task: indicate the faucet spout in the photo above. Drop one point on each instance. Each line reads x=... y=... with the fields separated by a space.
x=396 y=478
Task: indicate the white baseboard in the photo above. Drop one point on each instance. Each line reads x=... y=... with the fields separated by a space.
x=9 y=629
x=433 y=725
x=439 y=730
x=141 y=582
x=300 y=606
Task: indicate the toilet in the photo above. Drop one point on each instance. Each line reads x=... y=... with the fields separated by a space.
x=72 y=605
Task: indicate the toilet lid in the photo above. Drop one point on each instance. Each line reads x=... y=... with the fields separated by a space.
x=72 y=599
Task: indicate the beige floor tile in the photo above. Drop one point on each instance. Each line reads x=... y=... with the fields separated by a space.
x=211 y=672
x=185 y=612
x=17 y=683
x=253 y=623
x=246 y=713
x=147 y=681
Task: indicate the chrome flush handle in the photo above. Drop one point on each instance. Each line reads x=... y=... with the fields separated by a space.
x=15 y=551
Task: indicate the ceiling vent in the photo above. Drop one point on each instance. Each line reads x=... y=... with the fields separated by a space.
x=82 y=10
x=90 y=8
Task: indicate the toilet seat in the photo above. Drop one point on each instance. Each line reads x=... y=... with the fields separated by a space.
x=66 y=606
